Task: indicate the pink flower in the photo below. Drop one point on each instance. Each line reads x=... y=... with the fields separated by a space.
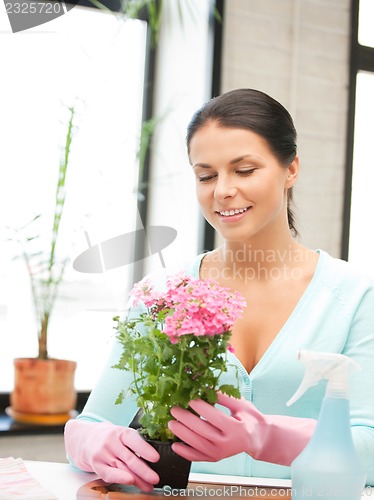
x=143 y=292
x=195 y=307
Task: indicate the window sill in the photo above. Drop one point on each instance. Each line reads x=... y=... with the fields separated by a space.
x=9 y=427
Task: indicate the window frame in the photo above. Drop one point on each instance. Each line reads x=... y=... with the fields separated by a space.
x=207 y=234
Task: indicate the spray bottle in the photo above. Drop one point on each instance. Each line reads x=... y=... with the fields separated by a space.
x=329 y=465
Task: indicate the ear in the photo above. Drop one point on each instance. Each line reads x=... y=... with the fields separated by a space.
x=292 y=173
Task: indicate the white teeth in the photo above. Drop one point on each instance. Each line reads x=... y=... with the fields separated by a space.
x=227 y=213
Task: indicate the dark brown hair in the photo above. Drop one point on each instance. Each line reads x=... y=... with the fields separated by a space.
x=256 y=111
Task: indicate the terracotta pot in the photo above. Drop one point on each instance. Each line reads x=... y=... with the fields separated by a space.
x=172 y=469
x=43 y=386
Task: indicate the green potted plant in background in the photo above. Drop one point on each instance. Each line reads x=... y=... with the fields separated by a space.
x=44 y=387
x=176 y=350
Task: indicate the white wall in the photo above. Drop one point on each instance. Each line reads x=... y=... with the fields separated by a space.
x=298 y=52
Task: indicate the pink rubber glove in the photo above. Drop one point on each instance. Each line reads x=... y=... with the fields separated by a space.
x=111 y=451
x=270 y=438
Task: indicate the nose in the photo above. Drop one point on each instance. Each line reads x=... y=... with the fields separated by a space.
x=224 y=188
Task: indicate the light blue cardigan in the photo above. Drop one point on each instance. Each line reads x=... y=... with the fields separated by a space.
x=335 y=314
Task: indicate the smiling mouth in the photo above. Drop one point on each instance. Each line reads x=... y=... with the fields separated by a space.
x=234 y=211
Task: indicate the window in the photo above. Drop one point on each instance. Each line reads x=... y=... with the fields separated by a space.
x=358 y=241
x=95 y=61
x=365 y=24
x=361 y=241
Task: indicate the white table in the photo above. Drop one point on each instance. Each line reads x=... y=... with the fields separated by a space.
x=65 y=481
x=61 y=479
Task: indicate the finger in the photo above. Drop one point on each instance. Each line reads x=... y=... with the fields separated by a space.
x=114 y=475
x=139 y=446
x=196 y=424
x=233 y=404
x=193 y=439
x=120 y=474
x=143 y=485
x=144 y=477
x=190 y=454
x=136 y=466
x=211 y=414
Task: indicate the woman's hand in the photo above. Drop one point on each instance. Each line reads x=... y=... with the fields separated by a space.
x=270 y=438
x=113 y=452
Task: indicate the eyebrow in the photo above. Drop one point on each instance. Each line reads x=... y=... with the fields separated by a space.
x=232 y=162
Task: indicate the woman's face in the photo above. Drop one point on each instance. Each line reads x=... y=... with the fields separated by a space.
x=241 y=186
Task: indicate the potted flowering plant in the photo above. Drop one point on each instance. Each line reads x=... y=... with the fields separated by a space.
x=176 y=348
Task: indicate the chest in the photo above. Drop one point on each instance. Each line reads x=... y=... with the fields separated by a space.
x=270 y=303
x=266 y=313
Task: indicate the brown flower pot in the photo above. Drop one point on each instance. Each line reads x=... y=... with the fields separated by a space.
x=43 y=386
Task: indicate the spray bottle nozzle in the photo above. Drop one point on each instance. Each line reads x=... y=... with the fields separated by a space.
x=323 y=365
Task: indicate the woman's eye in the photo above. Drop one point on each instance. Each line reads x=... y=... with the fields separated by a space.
x=206 y=178
x=246 y=172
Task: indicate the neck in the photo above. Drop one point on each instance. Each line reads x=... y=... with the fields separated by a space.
x=269 y=254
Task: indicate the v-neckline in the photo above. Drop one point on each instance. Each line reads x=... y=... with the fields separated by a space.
x=278 y=337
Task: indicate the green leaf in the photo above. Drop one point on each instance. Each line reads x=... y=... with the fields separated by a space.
x=230 y=390
x=120 y=398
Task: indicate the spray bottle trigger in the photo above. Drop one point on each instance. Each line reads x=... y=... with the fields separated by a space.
x=304 y=386
x=333 y=367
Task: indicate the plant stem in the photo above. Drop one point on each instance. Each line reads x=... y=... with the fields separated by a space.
x=60 y=192
x=53 y=280
x=181 y=362
x=158 y=351
x=43 y=351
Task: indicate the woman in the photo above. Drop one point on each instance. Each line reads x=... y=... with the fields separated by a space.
x=242 y=148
